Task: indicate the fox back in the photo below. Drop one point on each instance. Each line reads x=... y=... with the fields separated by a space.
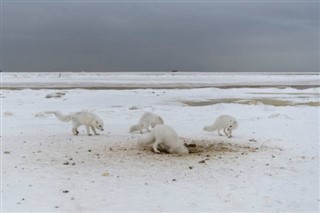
x=226 y=121
x=150 y=118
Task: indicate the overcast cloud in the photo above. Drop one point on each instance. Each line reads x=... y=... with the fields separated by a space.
x=160 y=36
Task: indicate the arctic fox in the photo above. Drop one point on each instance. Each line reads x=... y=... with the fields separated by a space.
x=146 y=120
x=225 y=122
x=88 y=119
x=166 y=138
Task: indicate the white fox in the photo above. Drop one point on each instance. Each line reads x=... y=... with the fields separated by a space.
x=146 y=120
x=166 y=138
x=225 y=122
x=86 y=118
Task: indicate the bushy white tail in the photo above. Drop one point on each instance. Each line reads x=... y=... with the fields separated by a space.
x=60 y=116
x=210 y=128
x=148 y=139
x=135 y=127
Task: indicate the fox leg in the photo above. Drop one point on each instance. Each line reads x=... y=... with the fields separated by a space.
x=152 y=126
x=141 y=128
x=219 y=132
x=75 y=128
x=225 y=132
x=88 y=130
x=94 y=130
x=75 y=131
x=146 y=126
x=161 y=147
x=230 y=133
x=155 y=145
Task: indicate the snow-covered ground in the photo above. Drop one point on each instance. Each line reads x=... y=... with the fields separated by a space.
x=271 y=163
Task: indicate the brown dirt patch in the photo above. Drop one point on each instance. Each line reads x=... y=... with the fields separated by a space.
x=219 y=148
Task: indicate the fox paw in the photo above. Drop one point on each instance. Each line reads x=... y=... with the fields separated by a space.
x=156 y=151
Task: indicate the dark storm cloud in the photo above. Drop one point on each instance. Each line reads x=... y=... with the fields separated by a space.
x=160 y=36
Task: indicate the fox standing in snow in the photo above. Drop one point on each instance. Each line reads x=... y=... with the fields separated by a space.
x=88 y=119
x=225 y=122
x=146 y=120
x=164 y=137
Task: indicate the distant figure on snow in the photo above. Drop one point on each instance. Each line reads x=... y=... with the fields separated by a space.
x=225 y=122
x=146 y=120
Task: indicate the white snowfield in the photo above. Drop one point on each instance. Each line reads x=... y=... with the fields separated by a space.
x=271 y=164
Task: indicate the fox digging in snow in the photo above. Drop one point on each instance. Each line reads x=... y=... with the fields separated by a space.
x=146 y=120
x=164 y=137
x=225 y=122
x=88 y=119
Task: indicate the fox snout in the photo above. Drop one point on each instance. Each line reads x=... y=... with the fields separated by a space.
x=100 y=127
x=185 y=151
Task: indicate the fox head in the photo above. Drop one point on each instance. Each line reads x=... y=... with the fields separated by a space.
x=183 y=150
x=234 y=125
x=161 y=120
x=99 y=125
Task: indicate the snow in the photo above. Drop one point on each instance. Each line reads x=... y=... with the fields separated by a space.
x=270 y=164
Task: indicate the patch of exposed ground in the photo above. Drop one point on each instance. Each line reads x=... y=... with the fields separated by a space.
x=256 y=101
x=199 y=147
x=219 y=148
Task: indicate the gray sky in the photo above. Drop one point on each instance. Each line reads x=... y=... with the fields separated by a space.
x=160 y=36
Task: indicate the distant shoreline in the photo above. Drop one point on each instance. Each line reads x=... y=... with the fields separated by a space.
x=133 y=87
x=159 y=80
